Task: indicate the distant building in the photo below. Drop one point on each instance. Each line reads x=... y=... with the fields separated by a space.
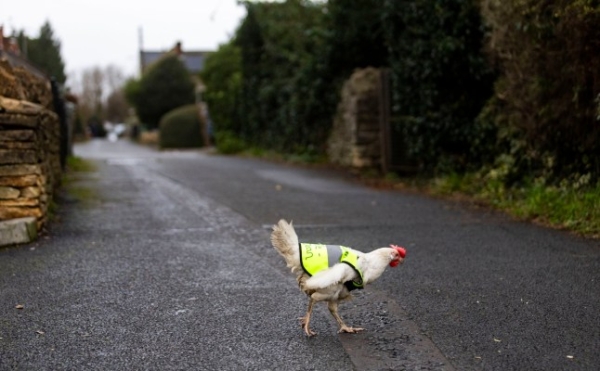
x=193 y=60
x=9 y=44
x=10 y=50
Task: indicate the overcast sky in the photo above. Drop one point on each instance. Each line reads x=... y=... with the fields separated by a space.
x=100 y=33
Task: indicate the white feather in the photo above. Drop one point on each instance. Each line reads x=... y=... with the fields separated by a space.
x=285 y=241
x=335 y=275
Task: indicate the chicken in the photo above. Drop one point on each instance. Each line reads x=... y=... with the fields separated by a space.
x=329 y=272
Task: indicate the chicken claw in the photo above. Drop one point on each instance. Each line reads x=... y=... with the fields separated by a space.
x=333 y=309
x=304 y=322
x=350 y=330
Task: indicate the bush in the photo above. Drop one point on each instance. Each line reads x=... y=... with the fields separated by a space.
x=572 y=205
x=278 y=42
x=295 y=55
x=440 y=80
x=222 y=76
x=181 y=128
x=548 y=94
x=228 y=143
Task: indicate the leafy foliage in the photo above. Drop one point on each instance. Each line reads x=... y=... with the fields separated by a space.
x=165 y=86
x=222 y=77
x=181 y=128
x=548 y=95
x=229 y=143
x=517 y=126
x=352 y=38
x=573 y=205
x=44 y=52
x=441 y=80
x=507 y=87
x=116 y=107
x=275 y=49
x=355 y=36
x=294 y=58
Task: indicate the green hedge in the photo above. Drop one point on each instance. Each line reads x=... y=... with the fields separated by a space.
x=278 y=43
x=440 y=81
x=510 y=87
x=296 y=55
x=222 y=77
x=548 y=96
x=181 y=128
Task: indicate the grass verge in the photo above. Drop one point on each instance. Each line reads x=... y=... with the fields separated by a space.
x=74 y=179
x=569 y=207
x=79 y=165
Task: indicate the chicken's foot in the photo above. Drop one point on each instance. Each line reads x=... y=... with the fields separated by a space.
x=350 y=330
x=332 y=305
x=305 y=321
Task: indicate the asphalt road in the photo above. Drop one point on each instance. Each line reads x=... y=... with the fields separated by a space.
x=161 y=261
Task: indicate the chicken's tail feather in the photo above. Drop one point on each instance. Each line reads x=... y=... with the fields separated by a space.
x=285 y=241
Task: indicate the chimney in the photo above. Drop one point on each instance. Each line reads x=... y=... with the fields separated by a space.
x=13 y=46
x=177 y=48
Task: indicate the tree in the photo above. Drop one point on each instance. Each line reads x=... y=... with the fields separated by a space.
x=166 y=85
x=222 y=77
x=116 y=108
x=440 y=80
x=547 y=99
x=278 y=43
x=295 y=56
x=44 y=52
x=114 y=78
x=100 y=94
x=89 y=87
x=356 y=37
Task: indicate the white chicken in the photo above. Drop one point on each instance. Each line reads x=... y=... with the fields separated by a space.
x=329 y=272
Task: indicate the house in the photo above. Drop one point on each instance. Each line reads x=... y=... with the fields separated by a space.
x=8 y=44
x=9 y=50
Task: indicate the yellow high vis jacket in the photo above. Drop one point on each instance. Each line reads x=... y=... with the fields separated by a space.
x=317 y=257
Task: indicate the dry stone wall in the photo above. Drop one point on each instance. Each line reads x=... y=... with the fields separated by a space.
x=30 y=167
x=355 y=140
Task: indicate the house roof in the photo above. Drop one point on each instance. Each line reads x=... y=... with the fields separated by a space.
x=193 y=60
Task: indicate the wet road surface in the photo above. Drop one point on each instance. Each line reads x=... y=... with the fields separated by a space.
x=161 y=261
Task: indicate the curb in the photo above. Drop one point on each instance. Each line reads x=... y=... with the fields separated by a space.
x=16 y=231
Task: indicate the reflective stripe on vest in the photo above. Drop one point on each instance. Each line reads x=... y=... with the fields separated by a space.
x=316 y=257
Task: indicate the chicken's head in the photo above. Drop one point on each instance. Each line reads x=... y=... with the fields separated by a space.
x=397 y=256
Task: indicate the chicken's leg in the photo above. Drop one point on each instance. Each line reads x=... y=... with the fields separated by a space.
x=305 y=321
x=333 y=305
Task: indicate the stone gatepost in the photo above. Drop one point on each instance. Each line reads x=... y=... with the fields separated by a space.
x=355 y=139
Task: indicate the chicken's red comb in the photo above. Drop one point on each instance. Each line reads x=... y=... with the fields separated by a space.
x=401 y=250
